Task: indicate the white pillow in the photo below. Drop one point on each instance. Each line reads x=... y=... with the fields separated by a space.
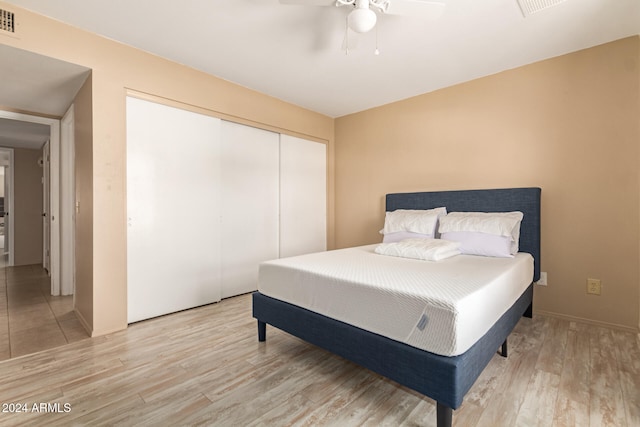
x=416 y=221
x=504 y=224
x=398 y=236
x=424 y=249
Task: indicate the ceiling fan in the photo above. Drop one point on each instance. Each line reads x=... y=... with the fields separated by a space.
x=363 y=16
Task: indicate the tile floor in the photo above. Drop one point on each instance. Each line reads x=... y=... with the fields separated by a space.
x=31 y=320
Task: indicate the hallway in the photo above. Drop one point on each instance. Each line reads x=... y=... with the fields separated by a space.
x=31 y=320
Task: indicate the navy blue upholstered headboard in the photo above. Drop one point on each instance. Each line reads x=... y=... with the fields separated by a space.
x=525 y=200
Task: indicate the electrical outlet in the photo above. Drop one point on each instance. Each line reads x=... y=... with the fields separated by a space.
x=542 y=281
x=593 y=286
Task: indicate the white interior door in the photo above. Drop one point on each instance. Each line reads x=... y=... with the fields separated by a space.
x=250 y=190
x=173 y=207
x=46 y=202
x=3 y=169
x=8 y=211
x=303 y=196
x=8 y=204
x=67 y=204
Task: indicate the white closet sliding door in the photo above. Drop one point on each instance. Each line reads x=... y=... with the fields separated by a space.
x=303 y=196
x=173 y=209
x=250 y=190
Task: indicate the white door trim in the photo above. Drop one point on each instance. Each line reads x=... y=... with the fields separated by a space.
x=54 y=209
x=67 y=204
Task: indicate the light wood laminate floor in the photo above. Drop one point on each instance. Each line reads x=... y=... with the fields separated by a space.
x=31 y=320
x=206 y=367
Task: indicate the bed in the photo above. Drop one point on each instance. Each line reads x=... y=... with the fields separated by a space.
x=445 y=379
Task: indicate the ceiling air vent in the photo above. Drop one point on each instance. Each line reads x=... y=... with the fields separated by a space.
x=529 y=7
x=7 y=22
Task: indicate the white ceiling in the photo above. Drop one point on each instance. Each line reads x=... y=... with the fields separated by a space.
x=295 y=53
x=19 y=134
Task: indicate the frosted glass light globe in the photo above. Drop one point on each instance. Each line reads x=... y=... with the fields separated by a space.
x=361 y=20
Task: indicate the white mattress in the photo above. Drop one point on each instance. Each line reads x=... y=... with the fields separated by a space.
x=443 y=307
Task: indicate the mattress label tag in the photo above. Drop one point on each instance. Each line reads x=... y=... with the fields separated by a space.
x=423 y=322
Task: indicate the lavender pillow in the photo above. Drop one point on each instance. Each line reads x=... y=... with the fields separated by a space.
x=498 y=224
x=477 y=243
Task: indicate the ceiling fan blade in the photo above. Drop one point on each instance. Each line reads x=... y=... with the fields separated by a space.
x=310 y=2
x=422 y=8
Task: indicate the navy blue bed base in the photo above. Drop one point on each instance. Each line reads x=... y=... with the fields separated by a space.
x=444 y=379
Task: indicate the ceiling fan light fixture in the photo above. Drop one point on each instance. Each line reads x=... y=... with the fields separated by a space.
x=362 y=19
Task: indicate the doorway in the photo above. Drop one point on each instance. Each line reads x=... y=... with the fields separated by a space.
x=45 y=87
x=59 y=196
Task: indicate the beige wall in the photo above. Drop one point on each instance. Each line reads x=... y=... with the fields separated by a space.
x=116 y=68
x=27 y=207
x=83 y=129
x=568 y=125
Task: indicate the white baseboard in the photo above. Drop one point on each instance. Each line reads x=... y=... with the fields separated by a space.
x=588 y=321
